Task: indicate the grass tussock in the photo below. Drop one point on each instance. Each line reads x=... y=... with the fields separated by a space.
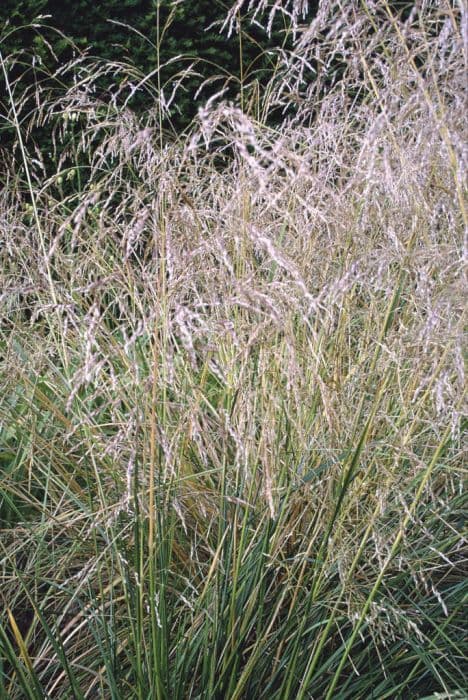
x=232 y=380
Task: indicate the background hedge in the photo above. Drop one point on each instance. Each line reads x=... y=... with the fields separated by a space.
x=193 y=31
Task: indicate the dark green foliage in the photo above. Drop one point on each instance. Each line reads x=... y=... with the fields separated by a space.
x=189 y=30
x=38 y=36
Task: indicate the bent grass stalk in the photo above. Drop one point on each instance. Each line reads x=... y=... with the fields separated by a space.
x=393 y=551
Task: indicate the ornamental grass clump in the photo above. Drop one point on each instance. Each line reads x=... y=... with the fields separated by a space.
x=232 y=377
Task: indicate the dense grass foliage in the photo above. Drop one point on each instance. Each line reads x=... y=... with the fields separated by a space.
x=232 y=381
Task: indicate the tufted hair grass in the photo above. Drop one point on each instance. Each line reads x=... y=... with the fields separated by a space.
x=232 y=378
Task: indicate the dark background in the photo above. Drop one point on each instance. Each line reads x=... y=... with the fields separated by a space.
x=86 y=23
x=83 y=26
